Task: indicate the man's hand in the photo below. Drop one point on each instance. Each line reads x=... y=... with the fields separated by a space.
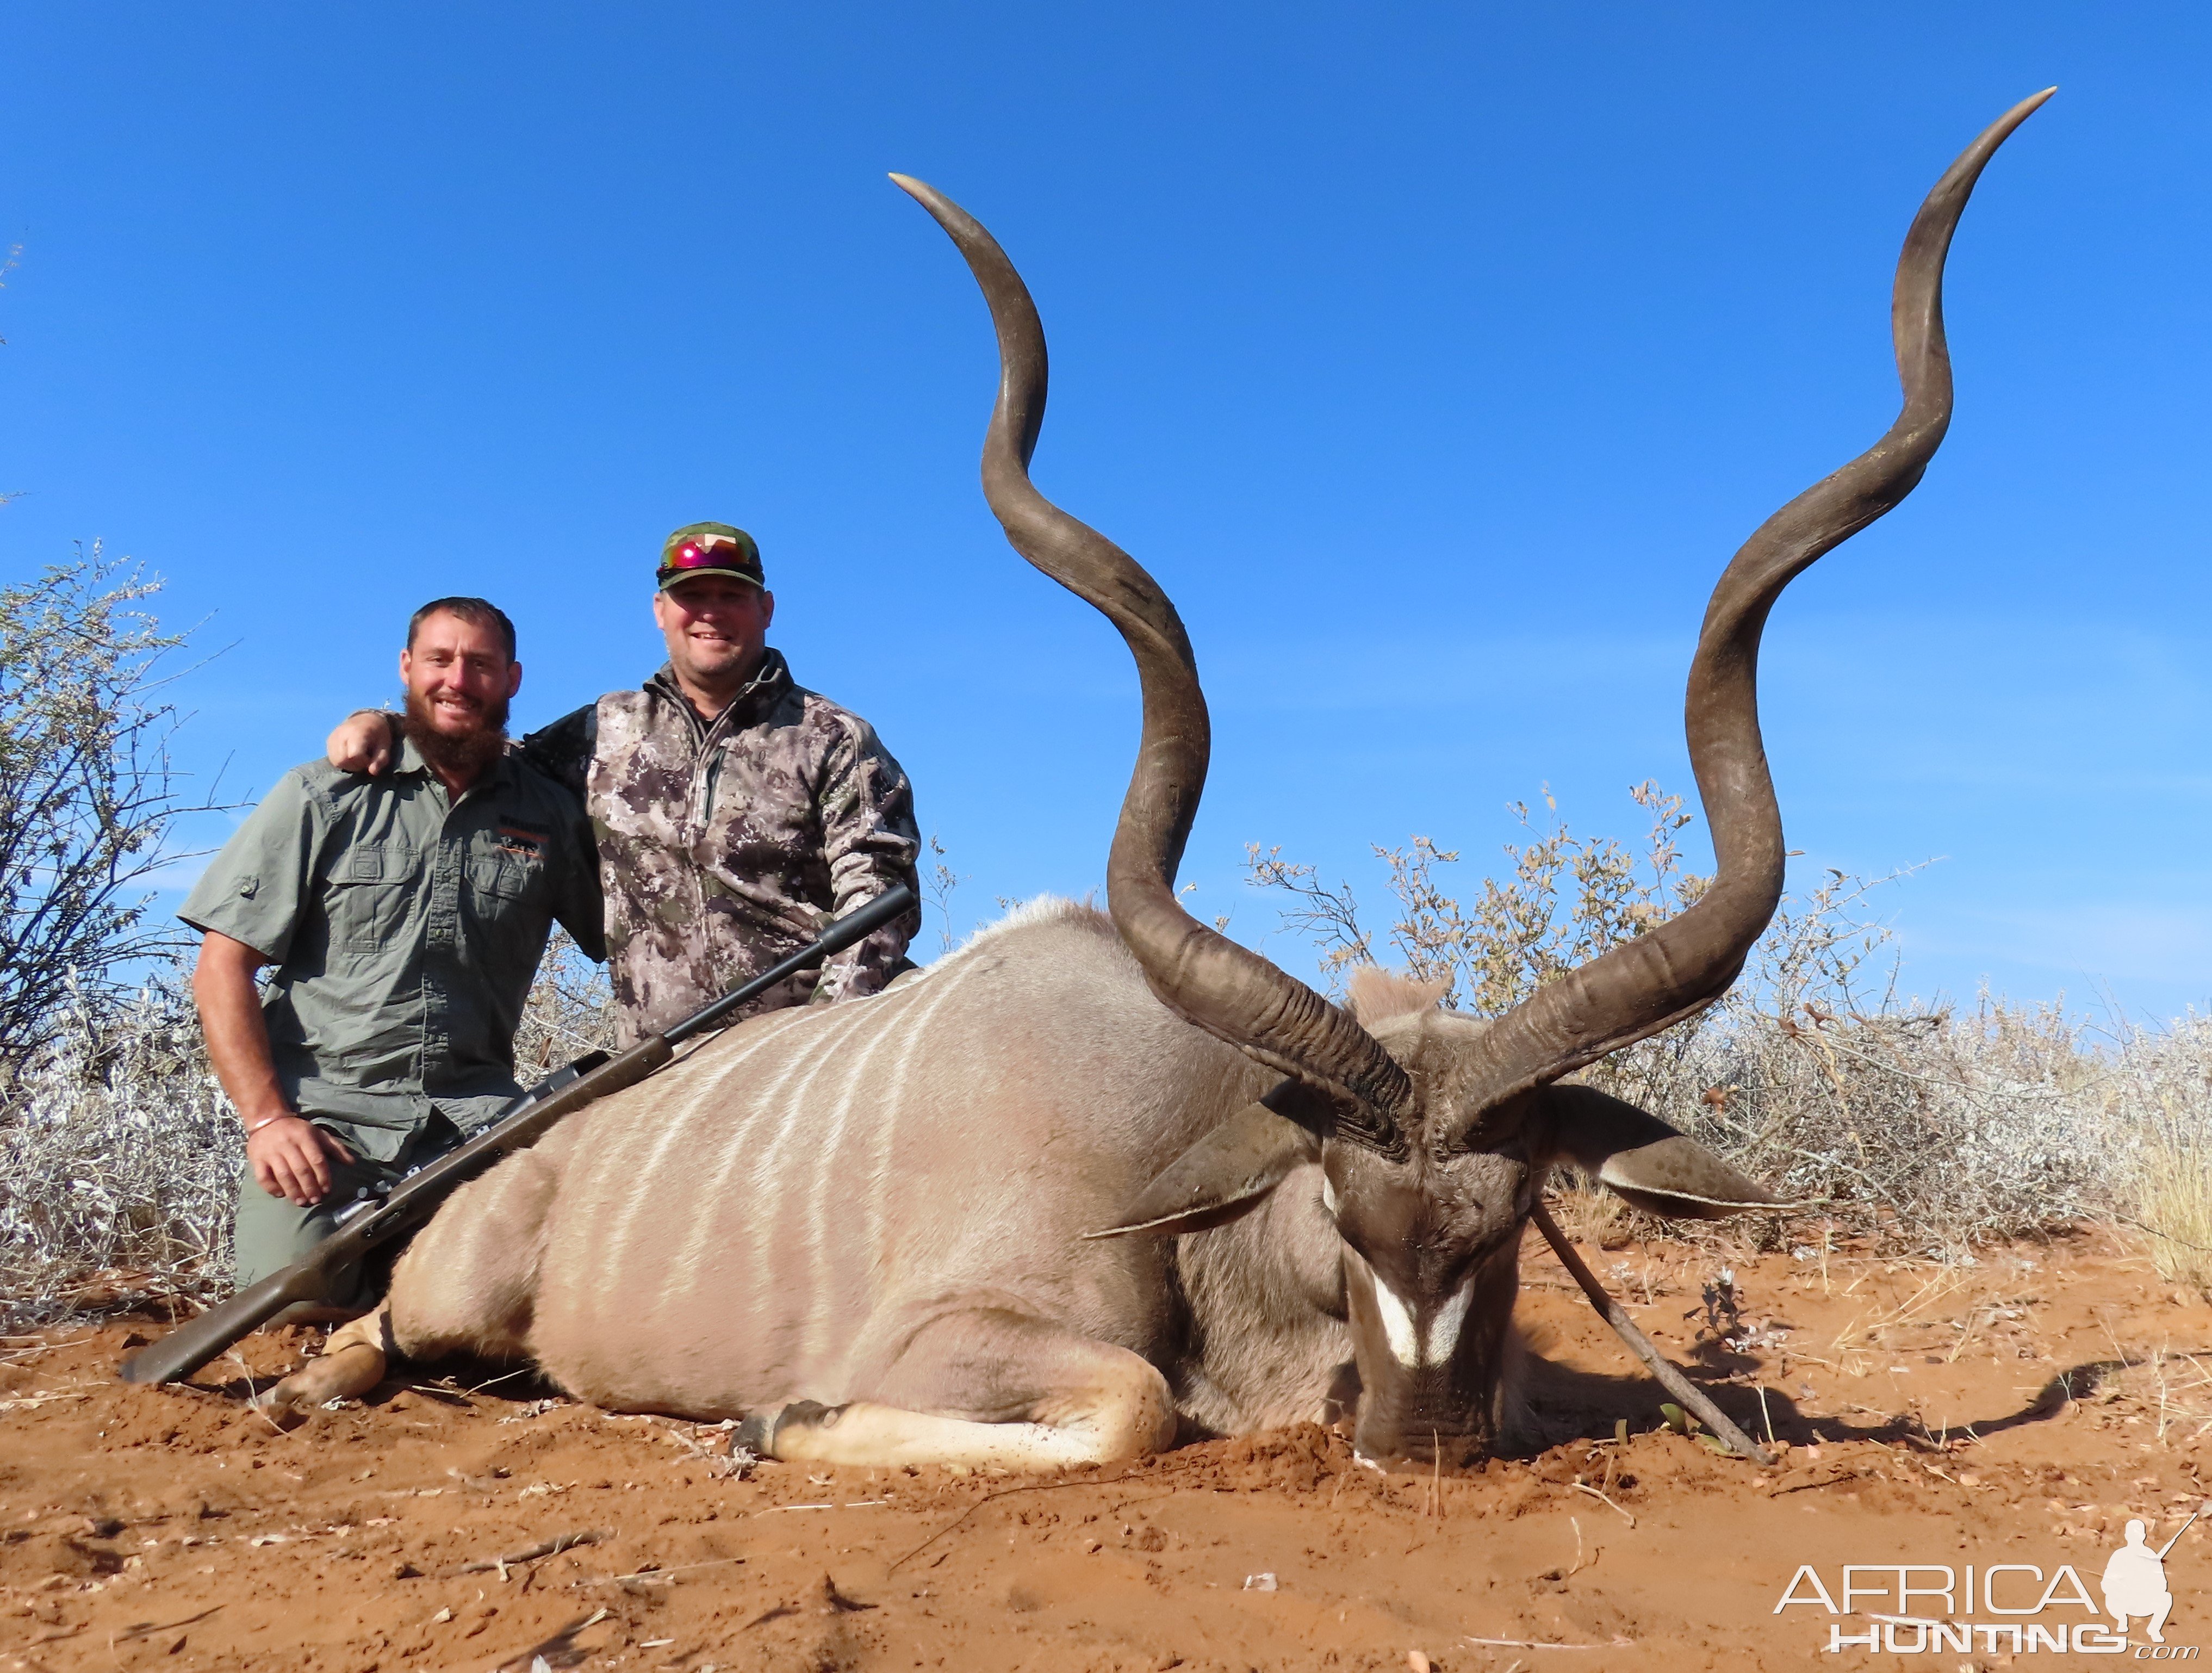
x=291 y=1159
x=361 y=743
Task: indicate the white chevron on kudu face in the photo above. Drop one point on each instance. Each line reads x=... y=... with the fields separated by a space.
x=1397 y=1325
x=1411 y=1345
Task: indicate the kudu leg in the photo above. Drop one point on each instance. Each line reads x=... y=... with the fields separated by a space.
x=464 y=1286
x=352 y=1362
x=985 y=1388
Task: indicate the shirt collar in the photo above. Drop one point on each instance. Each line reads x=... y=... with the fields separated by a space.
x=498 y=773
x=763 y=688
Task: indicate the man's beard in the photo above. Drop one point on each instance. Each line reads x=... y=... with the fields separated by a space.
x=458 y=755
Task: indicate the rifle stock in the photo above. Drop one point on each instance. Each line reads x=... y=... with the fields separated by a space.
x=416 y=1198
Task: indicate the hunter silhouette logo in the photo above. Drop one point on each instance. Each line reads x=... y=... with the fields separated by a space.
x=1913 y=1609
x=2135 y=1581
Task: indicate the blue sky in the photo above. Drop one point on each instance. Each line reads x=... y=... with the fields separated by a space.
x=1435 y=358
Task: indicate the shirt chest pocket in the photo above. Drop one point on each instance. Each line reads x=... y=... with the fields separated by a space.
x=372 y=893
x=503 y=881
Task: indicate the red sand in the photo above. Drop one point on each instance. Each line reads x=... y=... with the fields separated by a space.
x=176 y=1528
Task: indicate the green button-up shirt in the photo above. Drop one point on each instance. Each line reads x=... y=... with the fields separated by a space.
x=405 y=929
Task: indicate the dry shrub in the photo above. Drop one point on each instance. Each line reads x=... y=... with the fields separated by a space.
x=1929 y=1124
x=119 y=1155
x=119 y=1158
x=571 y=1010
x=88 y=792
x=2174 y=1204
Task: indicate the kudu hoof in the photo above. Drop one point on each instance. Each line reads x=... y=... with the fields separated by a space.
x=352 y=1370
x=757 y=1434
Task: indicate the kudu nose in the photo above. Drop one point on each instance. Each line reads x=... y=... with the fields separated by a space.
x=1406 y=1453
x=1411 y=1428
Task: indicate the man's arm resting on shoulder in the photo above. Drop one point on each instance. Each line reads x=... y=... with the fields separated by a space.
x=291 y=1157
x=366 y=741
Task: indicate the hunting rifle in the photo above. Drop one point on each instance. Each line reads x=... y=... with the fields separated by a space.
x=376 y=1224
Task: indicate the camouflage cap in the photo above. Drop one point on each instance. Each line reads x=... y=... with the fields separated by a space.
x=710 y=549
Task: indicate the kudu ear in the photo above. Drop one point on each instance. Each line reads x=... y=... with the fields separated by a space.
x=1642 y=1159
x=1226 y=1173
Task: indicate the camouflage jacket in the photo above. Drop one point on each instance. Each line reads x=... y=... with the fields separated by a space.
x=724 y=848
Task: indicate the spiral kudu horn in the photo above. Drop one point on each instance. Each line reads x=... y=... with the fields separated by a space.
x=1203 y=977
x=1678 y=968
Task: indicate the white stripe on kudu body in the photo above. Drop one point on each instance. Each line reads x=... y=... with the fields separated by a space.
x=646 y=1177
x=709 y=1206
x=764 y=1214
x=835 y=1226
x=940 y=987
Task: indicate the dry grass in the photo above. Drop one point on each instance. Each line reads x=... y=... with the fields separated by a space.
x=2169 y=1393
x=2172 y=1202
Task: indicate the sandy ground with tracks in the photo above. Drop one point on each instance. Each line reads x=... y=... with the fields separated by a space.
x=2015 y=1411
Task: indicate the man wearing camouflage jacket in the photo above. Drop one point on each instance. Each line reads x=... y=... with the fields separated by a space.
x=736 y=811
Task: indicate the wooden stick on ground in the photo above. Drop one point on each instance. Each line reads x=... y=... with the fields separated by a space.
x=1693 y=1397
x=545 y=1548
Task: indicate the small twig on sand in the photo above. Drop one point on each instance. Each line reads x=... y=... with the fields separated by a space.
x=148 y=1629
x=1004 y=1493
x=651 y=1574
x=1526 y=1644
x=253 y=1393
x=545 y=1548
x=1669 y=1379
x=1585 y=1486
x=737 y=1463
x=1823 y=1482
x=30 y=1348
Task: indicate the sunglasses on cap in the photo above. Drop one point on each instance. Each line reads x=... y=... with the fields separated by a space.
x=708 y=552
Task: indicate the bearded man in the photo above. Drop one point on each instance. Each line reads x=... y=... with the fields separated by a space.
x=405 y=916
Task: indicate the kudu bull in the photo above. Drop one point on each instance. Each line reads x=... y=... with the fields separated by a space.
x=865 y=1229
